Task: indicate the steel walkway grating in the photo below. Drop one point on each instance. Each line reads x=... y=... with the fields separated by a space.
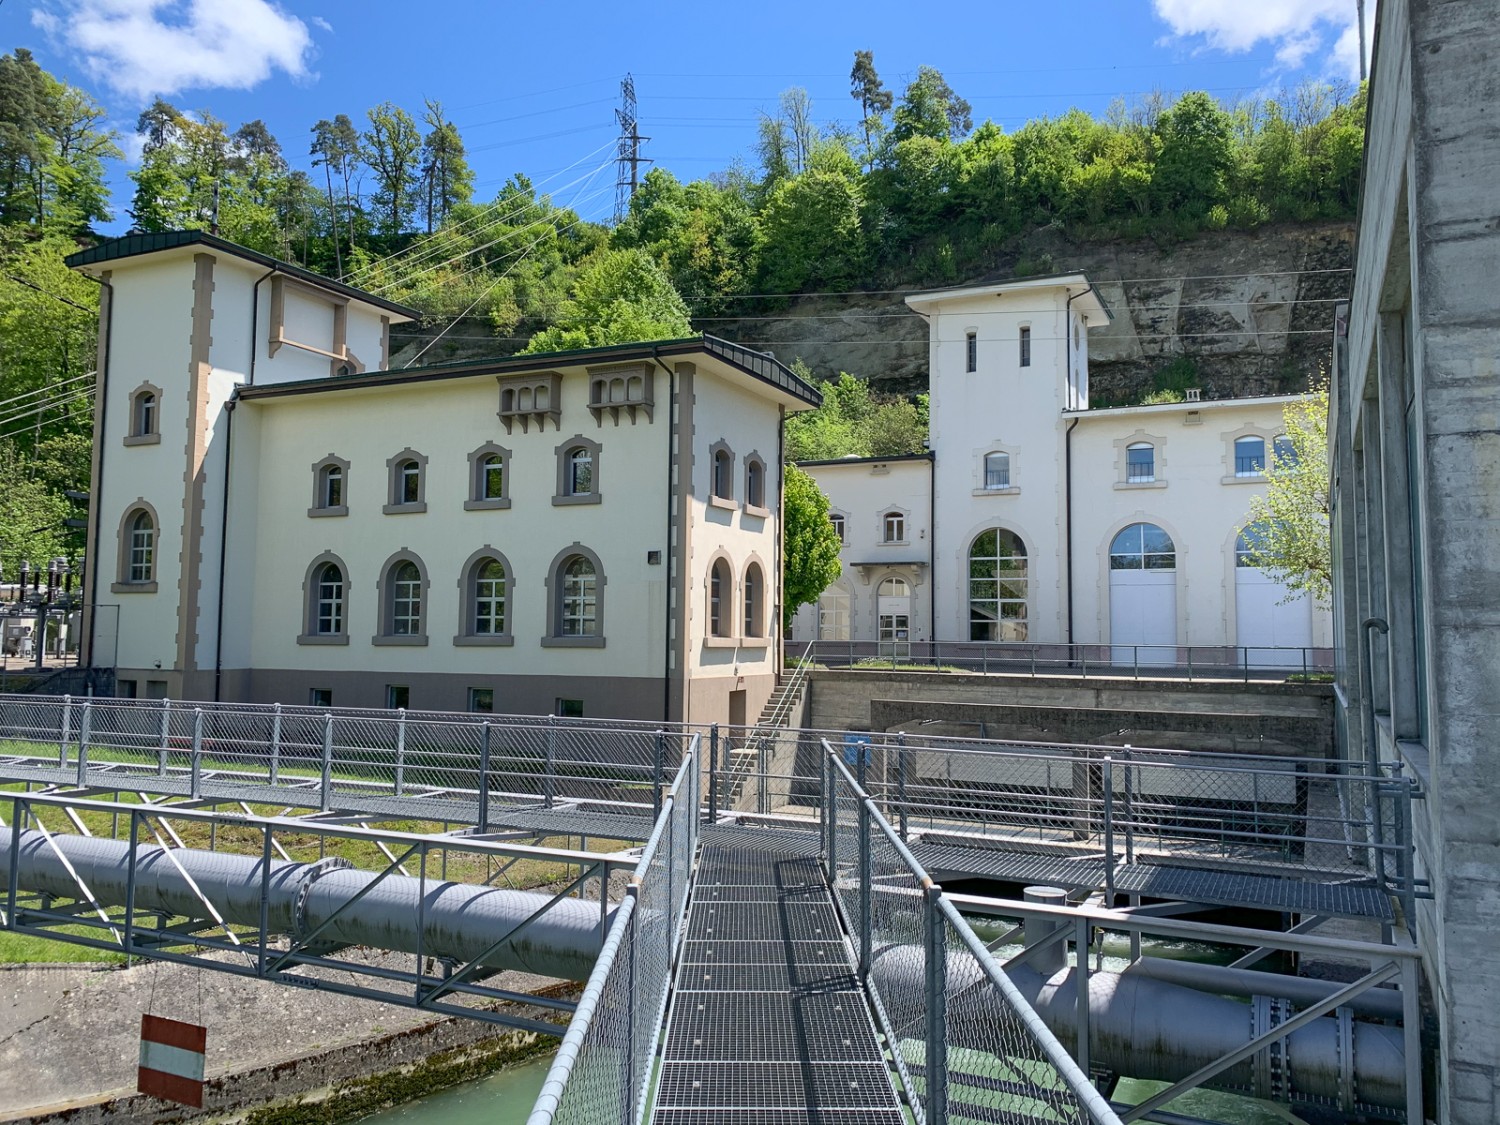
x=782 y=841
x=946 y=860
x=767 y=1024
x=1236 y=888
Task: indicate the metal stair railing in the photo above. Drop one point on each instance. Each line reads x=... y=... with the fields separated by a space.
x=749 y=759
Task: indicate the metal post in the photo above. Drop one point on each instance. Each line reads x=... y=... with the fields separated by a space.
x=1411 y=1033
x=833 y=825
x=658 y=752
x=166 y=738
x=484 y=777
x=549 y=763
x=135 y=838
x=276 y=742
x=762 y=765
x=15 y=859
x=633 y=1084
x=713 y=773
x=1081 y=991
x=67 y=727
x=327 y=782
x=1129 y=807
x=901 y=782
x=1135 y=661
x=83 y=742
x=865 y=920
x=265 y=898
x=1109 y=830
x=937 y=1015
x=400 y=782
x=195 y=777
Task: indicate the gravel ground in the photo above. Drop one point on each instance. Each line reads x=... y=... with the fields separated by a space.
x=72 y=1032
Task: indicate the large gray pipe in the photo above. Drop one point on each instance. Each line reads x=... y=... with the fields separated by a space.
x=459 y=921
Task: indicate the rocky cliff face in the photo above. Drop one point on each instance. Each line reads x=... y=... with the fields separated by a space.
x=1251 y=312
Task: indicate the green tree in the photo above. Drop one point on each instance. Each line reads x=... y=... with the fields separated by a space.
x=336 y=147
x=930 y=108
x=874 y=101
x=30 y=515
x=622 y=297
x=1288 y=526
x=392 y=150
x=855 y=422
x=1195 y=157
x=447 y=179
x=811 y=233
x=811 y=559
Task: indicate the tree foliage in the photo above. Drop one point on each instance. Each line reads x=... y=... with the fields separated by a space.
x=811 y=560
x=1288 y=527
x=856 y=422
x=620 y=297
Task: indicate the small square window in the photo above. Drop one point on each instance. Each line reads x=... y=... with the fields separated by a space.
x=320 y=697
x=397 y=696
x=570 y=708
x=124 y=689
x=482 y=700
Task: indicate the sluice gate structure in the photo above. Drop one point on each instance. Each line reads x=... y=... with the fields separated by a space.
x=768 y=927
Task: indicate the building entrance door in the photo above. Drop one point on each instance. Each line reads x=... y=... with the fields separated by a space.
x=893 y=619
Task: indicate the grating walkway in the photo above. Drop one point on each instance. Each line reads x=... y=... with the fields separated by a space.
x=1236 y=888
x=767 y=1024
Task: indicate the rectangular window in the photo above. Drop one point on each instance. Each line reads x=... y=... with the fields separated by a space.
x=895 y=527
x=320 y=697
x=1025 y=347
x=1249 y=457
x=397 y=696
x=838 y=526
x=570 y=708
x=482 y=700
x=1140 y=464
x=156 y=689
x=124 y=689
x=971 y=353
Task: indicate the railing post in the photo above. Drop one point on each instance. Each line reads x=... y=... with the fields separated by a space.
x=166 y=738
x=65 y=732
x=1411 y=1032
x=327 y=783
x=1135 y=661
x=1081 y=992
x=400 y=782
x=484 y=777
x=276 y=743
x=195 y=773
x=937 y=1016
x=865 y=920
x=1109 y=831
x=632 y=1081
x=833 y=826
x=1129 y=807
x=83 y=742
x=901 y=781
x=549 y=781
x=713 y=774
x=658 y=753
x=762 y=769
x=1190 y=663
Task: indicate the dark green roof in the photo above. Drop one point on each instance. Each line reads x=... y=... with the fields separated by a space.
x=133 y=245
x=758 y=365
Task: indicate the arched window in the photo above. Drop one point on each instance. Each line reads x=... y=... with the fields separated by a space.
x=837 y=520
x=140 y=564
x=893 y=527
x=327 y=616
x=1140 y=462
x=1248 y=547
x=331 y=486
x=998 y=586
x=578 y=605
x=894 y=588
x=144 y=414
x=1142 y=546
x=996 y=470
x=1284 y=452
x=1249 y=456
x=580 y=481
x=755 y=597
x=755 y=483
x=404 y=600
x=720 y=598
x=408 y=487
x=579 y=464
x=489 y=478
x=489 y=598
x=408 y=482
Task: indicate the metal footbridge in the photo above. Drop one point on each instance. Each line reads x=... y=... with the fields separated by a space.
x=766 y=925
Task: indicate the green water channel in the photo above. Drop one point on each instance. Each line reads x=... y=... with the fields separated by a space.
x=504 y=1098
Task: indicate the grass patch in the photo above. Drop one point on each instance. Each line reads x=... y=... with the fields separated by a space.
x=885 y=664
x=25 y=949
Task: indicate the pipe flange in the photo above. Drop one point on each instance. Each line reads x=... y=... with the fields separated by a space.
x=311 y=873
x=1344 y=1046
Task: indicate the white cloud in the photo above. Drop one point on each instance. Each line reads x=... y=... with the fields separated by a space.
x=147 y=47
x=1298 y=30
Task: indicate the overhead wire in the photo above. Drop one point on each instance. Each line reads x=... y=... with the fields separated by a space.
x=46 y=389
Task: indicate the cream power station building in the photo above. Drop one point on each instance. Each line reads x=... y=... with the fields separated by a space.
x=280 y=518
x=1036 y=519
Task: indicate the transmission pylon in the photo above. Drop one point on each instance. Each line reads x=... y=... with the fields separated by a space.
x=630 y=158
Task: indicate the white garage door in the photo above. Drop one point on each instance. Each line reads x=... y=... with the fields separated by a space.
x=1143 y=596
x=1271 y=634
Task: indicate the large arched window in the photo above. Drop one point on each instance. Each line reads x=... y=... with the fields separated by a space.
x=327 y=617
x=489 y=598
x=403 y=596
x=486 y=593
x=894 y=588
x=1249 y=545
x=140 y=546
x=833 y=614
x=1142 y=546
x=720 y=598
x=755 y=599
x=578 y=607
x=998 y=586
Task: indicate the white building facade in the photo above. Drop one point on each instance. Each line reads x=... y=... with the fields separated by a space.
x=588 y=533
x=1047 y=522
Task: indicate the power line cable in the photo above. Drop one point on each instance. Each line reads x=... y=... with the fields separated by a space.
x=47 y=389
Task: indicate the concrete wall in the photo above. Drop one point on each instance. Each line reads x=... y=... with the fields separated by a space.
x=1417 y=494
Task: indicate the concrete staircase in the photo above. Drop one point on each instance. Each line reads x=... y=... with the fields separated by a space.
x=747 y=761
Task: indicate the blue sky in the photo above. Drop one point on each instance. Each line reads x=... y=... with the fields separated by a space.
x=533 y=86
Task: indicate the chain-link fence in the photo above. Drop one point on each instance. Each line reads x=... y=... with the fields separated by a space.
x=967 y=1044
x=603 y=1070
